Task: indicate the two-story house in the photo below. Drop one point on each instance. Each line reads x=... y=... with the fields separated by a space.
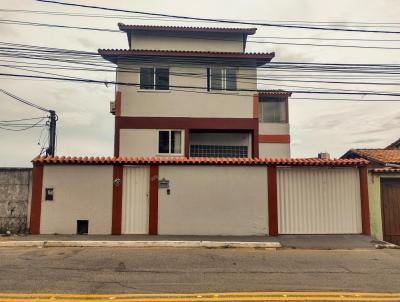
x=192 y=91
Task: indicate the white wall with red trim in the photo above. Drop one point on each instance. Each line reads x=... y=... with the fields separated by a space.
x=203 y=199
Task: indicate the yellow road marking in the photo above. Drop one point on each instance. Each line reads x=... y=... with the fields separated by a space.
x=215 y=299
x=199 y=297
x=199 y=294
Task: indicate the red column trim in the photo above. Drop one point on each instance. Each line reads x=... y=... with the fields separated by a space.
x=116 y=136
x=117 y=200
x=272 y=201
x=118 y=97
x=363 y=172
x=255 y=141
x=186 y=141
x=153 y=202
x=36 y=201
x=274 y=138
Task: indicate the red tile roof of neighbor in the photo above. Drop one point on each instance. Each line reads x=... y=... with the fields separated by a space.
x=198 y=161
x=395 y=144
x=386 y=170
x=274 y=92
x=184 y=53
x=384 y=156
x=247 y=31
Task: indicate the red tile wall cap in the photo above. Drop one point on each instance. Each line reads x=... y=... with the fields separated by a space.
x=247 y=31
x=274 y=92
x=187 y=53
x=384 y=156
x=198 y=161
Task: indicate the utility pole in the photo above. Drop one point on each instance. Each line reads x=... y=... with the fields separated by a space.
x=50 y=151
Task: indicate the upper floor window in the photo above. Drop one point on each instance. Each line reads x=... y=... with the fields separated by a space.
x=154 y=78
x=273 y=110
x=170 y=142
x=221 y=79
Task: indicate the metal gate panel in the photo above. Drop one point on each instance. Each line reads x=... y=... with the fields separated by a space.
x=319 y=201
x=135 y=200
x=390 y=196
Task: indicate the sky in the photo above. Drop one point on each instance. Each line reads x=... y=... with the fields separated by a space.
x=86 y=128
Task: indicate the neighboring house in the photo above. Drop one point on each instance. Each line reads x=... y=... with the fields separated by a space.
x=194 y=94
x=384 y=189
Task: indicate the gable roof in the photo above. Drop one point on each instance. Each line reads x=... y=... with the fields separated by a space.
x=190 y=29
x=381 y=156
x=395 y=144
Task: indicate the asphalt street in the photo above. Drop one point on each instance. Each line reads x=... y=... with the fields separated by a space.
x=170 y=270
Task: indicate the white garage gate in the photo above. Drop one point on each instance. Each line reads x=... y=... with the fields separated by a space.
x=319 y=201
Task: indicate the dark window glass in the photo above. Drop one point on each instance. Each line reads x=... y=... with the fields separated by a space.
x=231 y=79
x=146 y=78
x=216 y=78
x=163 y=142
x=162 y=78
x=272 y=110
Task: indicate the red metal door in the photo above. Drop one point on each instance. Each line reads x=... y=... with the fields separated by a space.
x=390 y=197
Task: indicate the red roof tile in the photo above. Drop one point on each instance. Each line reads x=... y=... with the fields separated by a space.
x=107 y=53
x=198 y=161
x=247 y=31
x=384 y=156
x=274 y=92
x=386 y=170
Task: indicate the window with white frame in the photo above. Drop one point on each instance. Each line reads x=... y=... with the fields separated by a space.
x=273 y=110
x=170 y=141
x=219 y=78
x=154 y=78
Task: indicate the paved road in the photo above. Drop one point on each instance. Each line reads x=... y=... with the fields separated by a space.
x=126 y=270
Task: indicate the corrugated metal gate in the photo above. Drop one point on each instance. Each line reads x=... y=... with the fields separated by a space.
x=135 y=200
x=319 y=201
x=390 y=197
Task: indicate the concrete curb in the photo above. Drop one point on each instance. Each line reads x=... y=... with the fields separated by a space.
x=143 y=244
x=21 y=243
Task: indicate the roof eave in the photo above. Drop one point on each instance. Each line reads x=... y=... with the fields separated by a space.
x=180 y=29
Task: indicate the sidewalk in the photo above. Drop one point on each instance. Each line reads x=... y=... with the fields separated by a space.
x=320 y=242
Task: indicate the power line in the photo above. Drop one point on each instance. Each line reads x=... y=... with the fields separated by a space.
x=182 y=88
x=16 y=22
x=94 y=56
x=23 y=119
x=24 y=101
x=155 y=18
x=219 y=20
x=192 y=75
x=23 y=129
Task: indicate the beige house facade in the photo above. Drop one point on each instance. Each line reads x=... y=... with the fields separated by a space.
x=192 y=92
